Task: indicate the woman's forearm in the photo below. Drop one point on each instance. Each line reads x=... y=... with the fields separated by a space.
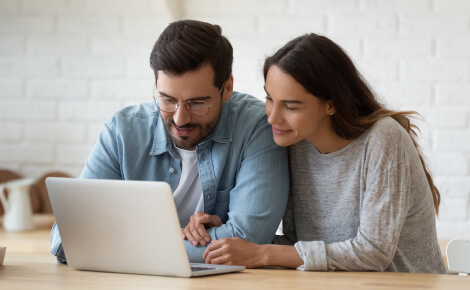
x=281 y=256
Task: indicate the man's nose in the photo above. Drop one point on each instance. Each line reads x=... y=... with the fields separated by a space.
x=182 y=116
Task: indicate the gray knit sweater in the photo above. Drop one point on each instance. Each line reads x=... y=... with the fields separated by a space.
x=365 y=207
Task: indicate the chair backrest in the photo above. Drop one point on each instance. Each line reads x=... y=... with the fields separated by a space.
x=458 y=256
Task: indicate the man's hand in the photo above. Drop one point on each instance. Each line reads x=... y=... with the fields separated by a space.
x=196 y=232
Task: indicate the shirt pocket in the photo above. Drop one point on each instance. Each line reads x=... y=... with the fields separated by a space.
x=222 y=203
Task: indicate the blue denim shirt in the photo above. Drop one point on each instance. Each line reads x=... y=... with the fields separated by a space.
x=243 y=173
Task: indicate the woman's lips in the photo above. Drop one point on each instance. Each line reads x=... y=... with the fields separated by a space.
x=280 y=131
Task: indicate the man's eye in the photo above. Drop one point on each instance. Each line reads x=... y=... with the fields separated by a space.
x=168 y=100
x=198 y=103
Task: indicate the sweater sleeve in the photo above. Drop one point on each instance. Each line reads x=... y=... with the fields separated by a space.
x=384 y=210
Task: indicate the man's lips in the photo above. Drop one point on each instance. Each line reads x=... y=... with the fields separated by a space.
x=280 y=131
x=183 y=131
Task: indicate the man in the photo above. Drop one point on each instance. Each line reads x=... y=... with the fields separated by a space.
x=212 y=145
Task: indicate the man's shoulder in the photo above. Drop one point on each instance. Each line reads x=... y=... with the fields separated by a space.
x=143 y=112
x=246 y=109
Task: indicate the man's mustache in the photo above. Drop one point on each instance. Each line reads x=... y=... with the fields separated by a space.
x=185 y=126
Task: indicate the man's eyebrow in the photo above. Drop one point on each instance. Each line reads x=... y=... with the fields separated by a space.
x=201 y=98
x=285 y=101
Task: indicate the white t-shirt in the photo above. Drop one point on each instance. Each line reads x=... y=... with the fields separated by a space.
x=188 y=193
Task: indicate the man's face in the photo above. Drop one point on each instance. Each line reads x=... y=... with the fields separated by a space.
x=187 y=129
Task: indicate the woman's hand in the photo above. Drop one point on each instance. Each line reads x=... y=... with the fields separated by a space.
x=234 y=251
x=196 y=232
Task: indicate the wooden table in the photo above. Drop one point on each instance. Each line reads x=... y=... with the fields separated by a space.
x=29 y=265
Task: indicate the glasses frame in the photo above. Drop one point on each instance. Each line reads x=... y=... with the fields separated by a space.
x=186 y=103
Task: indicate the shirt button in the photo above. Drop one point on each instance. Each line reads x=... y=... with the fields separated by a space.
x=208 y=196
x=171 y=170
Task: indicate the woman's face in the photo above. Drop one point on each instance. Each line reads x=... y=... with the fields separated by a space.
x=293 y=112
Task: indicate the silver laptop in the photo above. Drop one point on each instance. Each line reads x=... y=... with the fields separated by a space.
x=122 y=226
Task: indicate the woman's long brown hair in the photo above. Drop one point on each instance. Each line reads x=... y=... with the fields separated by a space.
x=326 y=71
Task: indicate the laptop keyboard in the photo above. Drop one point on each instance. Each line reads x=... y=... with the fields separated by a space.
x=195 y=269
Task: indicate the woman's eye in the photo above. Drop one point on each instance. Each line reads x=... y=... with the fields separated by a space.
x=290 y=108
x=268 y=99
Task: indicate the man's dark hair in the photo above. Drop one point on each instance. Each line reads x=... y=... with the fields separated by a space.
x=187 y=44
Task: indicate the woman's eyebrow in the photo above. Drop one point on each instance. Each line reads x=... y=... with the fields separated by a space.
x=285 y=101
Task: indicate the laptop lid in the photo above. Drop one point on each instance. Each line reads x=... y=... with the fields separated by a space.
x=121 y=226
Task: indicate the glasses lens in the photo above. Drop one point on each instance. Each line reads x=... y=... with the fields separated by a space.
x=198 y=108
x=166 y=104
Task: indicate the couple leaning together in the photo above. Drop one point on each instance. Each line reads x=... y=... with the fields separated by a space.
x=343 y=173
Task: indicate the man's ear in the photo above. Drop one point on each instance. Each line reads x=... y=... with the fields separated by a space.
x=228 y=89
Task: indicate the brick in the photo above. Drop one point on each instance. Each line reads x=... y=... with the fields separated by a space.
x=364 y=25
x=309 y=7
x=435 y=70
x=42 y=7
x=62 y=132
x=89 y=25
x=37 y=171
x=378 y=69
x=448 y=230
x=455 y=164
x=398 y=47
x=256 y=47
x=455 y=210
x=11 y=89
x=351 y=45
x=11 y=45
x=73 y=154
x=129 y=46
x=57 y=46
x=446 y=117
x=457 y=94
x=145 y=25
x=30 y=154
x=198 y=7
x=19 y=67
x=247 y=69
x=140 y=68
x=10 y=132
x=41 y=89
x=232 y=26
x=116 y=7
x=453 y=48
x=93 y=132
x=26 y=25
x=414 y=95
x=454 y=187
x=87 y=111
x=434 y=25
x=292 y=26
x=9 y=6
x=454 y=141
x=27 y=111
x=122 y=89
x=452 y=7
x=249 y=7
x=93 y=67
x=397 y=6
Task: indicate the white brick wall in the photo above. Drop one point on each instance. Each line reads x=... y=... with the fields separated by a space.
x=66 y=66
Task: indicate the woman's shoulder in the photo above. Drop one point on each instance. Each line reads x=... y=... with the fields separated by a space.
x=387 y=131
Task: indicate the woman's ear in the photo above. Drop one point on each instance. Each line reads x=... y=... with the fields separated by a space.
x=330 y=108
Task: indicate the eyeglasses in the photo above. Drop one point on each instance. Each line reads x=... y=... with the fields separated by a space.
x=195 y=107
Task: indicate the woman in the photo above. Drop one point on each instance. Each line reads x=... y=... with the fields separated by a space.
x=361 y=196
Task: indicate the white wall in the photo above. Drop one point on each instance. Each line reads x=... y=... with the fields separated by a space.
x=66 y=66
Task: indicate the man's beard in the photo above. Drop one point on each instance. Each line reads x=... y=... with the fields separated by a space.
x=190 y=142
